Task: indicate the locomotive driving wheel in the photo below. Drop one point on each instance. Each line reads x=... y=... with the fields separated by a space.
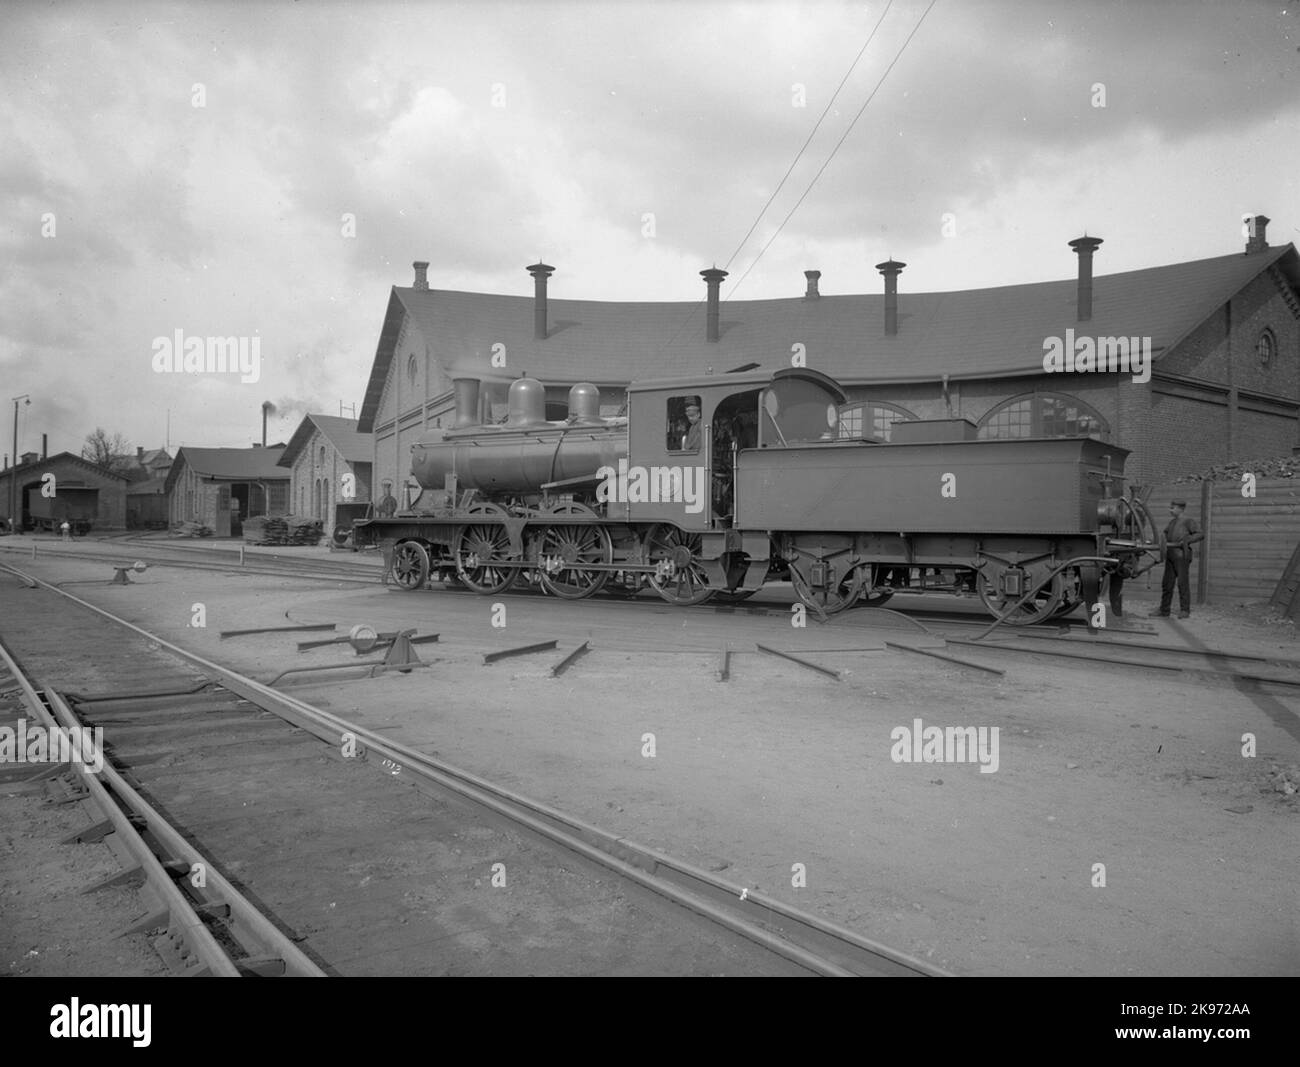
x=410 y=566
x=572 y=545
x=1040 y=607
x=680 y=579
x=839 y=593
x=483 y=559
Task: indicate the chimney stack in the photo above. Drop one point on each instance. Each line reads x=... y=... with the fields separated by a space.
x=891 y=269
x=466 y=391
x=1084 y=247
x=713 y=279
x=1257 y=225
x=540 y=272
x=45 y=446
x=421 y=274
x=812 y=276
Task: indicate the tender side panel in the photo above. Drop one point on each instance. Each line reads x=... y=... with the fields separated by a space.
x=1016 y=487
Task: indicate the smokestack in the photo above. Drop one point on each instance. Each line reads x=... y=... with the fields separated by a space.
x=540 y=272
x=421 y=274
x=891 y=269
x=1084 y=247
x=466 y=391
x=812 y=276
x=713 y=279
x=45 y=446
x=1257 y=226
x=267 y=408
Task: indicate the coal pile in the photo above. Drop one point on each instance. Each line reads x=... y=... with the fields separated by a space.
x=1276 y=467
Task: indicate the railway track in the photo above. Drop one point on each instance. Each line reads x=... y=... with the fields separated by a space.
x=215 y=560
x=1059 y=638
x=304 y=811
x=205 y=926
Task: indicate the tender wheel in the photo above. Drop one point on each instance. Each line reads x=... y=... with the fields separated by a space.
x=1042 y=606
x=830 y=600
x=574 y=545
x=410 y=566
x=1071 y=593
x=483 y=559
x=867 y=599
x=684 y=583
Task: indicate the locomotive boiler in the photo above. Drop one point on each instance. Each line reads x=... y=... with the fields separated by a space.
x=713 y=486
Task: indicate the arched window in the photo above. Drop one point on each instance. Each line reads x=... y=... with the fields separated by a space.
x=872 y=418
x=412 y=370
x=1043 y=415
x=1266 y=347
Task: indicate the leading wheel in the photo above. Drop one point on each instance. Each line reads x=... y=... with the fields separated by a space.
x=410 y=566
x=573 y=546
x=680 y=579
x=1040 y=607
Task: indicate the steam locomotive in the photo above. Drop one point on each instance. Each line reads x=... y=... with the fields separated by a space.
x=764 y=487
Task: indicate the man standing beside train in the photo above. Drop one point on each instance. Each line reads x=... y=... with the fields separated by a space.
x=1181 y=533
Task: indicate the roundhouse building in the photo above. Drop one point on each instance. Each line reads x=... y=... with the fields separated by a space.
x=1222 y=381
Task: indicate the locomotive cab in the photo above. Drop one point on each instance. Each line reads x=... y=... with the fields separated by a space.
x=688 y=478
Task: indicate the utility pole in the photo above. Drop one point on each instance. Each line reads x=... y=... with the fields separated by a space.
x=13 y=471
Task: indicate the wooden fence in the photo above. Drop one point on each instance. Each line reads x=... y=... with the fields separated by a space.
x=1248 y=540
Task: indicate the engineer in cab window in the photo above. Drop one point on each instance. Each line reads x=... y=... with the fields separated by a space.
x=691 y=442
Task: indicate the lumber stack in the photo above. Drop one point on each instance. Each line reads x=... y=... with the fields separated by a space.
x=282 y=530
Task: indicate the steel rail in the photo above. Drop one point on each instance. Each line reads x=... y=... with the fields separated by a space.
x=181 y=916
x=234 y=566
x=1122 y=662
x=787 y=931
x=255 y=933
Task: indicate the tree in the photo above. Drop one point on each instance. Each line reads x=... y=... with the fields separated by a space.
x=112 y=453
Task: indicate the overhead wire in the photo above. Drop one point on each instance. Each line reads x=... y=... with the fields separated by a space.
x=834 y=150
x=793 y=163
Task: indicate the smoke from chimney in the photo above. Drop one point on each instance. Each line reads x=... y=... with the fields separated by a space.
x=1085 y=247
x=891 y=269
x=267 y=409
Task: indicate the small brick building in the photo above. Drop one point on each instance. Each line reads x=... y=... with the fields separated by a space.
x=326 y=458
x=73 y=473
x=220 y=487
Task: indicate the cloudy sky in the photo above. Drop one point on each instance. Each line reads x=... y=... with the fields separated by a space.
x=629 y=144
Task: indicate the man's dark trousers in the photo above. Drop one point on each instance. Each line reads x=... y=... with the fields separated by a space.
x=1178 y=565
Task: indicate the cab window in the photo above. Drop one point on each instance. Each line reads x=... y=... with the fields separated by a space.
x=685 y=427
